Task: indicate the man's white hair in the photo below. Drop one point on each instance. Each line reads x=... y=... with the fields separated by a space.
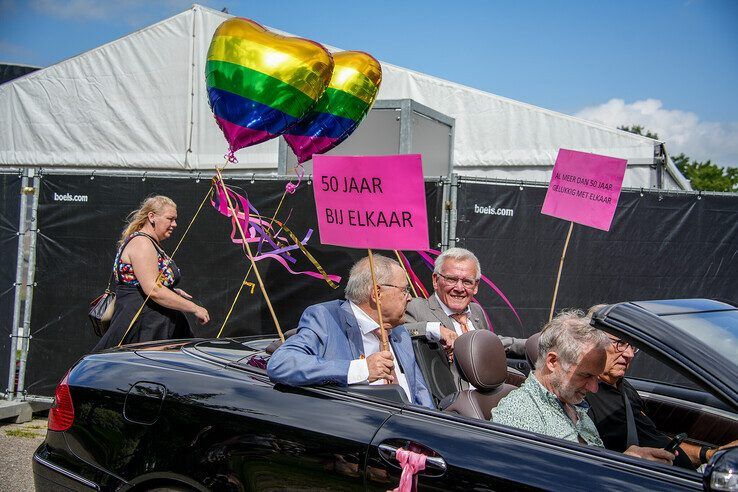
x=458 y=254
x=359 y=285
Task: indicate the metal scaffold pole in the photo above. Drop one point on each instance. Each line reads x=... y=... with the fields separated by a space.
x=33 y=231
x=10 y=391
x=445 y=204
x=453 y=210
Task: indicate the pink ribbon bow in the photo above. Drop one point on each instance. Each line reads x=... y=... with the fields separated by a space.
x=411 y=463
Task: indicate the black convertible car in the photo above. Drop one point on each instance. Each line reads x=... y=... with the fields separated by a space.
x=202 y=415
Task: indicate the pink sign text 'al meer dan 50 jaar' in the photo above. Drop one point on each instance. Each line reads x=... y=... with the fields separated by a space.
x=585 y=188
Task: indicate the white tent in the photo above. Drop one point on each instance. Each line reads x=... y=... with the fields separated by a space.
x=140 y=103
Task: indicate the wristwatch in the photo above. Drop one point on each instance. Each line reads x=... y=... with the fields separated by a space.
x=703 y=453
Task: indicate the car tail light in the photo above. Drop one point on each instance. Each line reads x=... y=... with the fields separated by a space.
x=61 y=415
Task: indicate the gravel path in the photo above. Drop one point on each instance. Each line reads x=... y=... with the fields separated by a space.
x=17 y=444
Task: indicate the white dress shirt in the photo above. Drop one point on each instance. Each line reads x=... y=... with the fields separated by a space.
x=359 y=369
x=433 y=328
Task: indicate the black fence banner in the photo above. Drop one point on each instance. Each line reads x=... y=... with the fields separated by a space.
x=80 y=222
x=660 y=246
x=10 y=198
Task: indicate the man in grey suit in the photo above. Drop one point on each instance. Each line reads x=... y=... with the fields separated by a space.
x=449 y=312
x=338 y=342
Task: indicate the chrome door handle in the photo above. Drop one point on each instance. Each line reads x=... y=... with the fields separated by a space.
x=435 y=463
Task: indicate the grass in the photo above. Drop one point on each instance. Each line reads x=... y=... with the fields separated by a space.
x=21 y=433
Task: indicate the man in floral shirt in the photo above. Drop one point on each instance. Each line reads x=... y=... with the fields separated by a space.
x=571 y=356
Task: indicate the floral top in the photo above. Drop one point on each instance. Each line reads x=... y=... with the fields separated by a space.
x=534 y=408
x=124 y=271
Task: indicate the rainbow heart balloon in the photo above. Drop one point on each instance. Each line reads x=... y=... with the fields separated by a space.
x=260 y=83
x=352 y=90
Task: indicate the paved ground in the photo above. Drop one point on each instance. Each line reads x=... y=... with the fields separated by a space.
x=17 y=444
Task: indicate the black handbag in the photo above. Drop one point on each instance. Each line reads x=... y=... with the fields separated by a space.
x=101 y=310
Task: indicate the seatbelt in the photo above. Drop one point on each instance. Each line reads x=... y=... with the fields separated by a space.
x=630 y=425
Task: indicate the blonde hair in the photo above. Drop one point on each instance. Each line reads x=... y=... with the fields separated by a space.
x=137 y=219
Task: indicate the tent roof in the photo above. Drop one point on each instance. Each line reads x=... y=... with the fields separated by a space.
x=140 y=102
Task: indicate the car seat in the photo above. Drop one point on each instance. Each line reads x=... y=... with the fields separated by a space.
x=433 y=364
x=531 y=349
x=480 y=359
x=278 y=343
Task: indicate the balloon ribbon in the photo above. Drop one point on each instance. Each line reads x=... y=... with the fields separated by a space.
x=271 y=243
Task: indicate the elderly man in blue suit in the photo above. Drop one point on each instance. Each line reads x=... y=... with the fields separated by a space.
x=338 y=342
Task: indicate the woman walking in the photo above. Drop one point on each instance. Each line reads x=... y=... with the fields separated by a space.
x=142 y=269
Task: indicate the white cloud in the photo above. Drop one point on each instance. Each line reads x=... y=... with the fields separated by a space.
x=681 y=130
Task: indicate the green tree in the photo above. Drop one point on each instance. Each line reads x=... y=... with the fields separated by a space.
x=707 y=176
x=704 y=176
x=680 y=161
x=638 y=130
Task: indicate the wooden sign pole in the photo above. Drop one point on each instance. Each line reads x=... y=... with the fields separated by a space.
x=558 y=276
x=247 y=248
x=385 y=343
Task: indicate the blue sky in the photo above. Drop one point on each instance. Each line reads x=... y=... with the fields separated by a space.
x=670 y=65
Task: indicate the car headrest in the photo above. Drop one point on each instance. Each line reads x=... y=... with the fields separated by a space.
x=278 y=343
x=480 y=358
x=531 y=349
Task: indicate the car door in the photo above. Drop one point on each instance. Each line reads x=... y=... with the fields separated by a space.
x=466 y=454
x=294 y=439
x=253 y=435
x=219 y=427
x=675 y=409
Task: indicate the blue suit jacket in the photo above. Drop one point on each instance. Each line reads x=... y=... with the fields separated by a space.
x=327 y=340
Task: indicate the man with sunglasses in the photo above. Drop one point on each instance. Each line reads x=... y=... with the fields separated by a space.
x=450 y=312
x=620 y=426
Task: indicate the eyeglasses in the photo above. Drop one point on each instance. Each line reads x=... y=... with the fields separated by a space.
x=466 y=282
x=622 y=345
x=405 y=290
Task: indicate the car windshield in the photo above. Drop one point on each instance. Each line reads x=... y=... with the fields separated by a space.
x=716 y=329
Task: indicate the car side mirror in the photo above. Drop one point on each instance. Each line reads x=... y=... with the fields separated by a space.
x=721 y=473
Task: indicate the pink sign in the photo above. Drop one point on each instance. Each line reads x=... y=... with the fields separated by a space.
x=585 y=188
x=371 y=201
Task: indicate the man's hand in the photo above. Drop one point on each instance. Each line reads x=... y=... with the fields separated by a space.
x=729 y=445
x=380 y=366
x=711 y=452
x=448 y=337
x=651 y=454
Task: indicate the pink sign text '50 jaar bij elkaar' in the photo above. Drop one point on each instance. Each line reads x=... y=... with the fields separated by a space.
x=371 y=201
x=585 y=188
